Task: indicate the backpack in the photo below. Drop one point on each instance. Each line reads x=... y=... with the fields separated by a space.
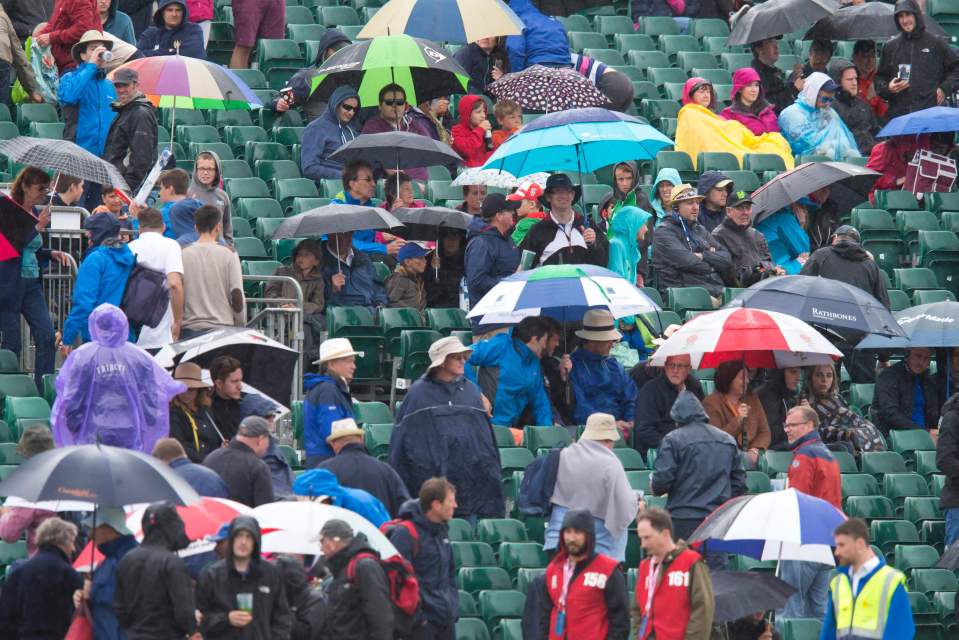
x=404 y=588
x=539 y=481
x=146 y=297
x=387 y=529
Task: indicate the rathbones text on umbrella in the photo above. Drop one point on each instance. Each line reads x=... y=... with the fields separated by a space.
x=832 y=315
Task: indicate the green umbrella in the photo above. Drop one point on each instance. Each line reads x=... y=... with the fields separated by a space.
x=424 y=69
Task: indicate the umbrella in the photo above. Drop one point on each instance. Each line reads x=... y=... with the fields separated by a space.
x=267 y=364
x=761 y=339
x=433 y=217
x=740 y=593
x=820 y=301
x=564 y=291
x=770 y=19
x=62 y=156
x=934 y=325
x=869 y=21
x=456 y=21
x=544 y=89
x=496 y=178
x=581 y=140
x=851 y=182
x=99 y=474
x=423 y=68
x=397 y=150
x=567 y=7
x=294 y=527
x=776 y=525
x=931 y=120
x=336 y=218
x=17 y=227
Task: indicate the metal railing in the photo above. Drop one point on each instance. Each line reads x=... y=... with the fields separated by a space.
x=282 y=323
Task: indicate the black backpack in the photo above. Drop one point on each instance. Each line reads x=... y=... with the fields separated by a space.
x=146 y=297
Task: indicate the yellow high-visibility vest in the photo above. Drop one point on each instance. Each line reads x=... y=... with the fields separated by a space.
x=864 y=616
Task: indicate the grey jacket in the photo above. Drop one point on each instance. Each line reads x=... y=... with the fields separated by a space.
x=748 y=251
x=215 y=196
x=314 y=298
x=406 y=290
x=698 y=465
x=675 y=243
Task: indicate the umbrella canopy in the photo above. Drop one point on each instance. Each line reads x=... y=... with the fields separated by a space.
x=776 y=525
x=740 y=593
x=820 y=301
x=496 y=178
x=869 y=21
x=433 y=217
x=762 y=339
x=335 y=218
x=545 y=89
x=567 y=7
x=578 y=140
x=294 y=527
x=565 y=292
x=190 y=83
x=397 y=150
x=931 y=120
x=934 y=325
x=62 y=156
x=455 y=21
x=799 y=182
x=770 y=19
x=423 y=68
x=99 y=474
x=267 y=364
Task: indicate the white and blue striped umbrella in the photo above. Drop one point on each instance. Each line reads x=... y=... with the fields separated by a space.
x=777 y=525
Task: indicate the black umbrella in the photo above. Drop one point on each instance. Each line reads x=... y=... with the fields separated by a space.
x=740 y=593
x=431 y=217
x=335 y=218
x=99 y=474
x=64 y=157
x=567 y=7
x=869 y=21
x=753 y=23
x=821 y=301
x=397 y=150
x=850 y=183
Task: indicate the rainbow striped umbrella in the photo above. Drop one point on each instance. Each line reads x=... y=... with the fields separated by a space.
x=456 y=21
x=182 y=82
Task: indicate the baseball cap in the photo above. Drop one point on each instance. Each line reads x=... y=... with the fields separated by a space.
x=125 y=75
x=847 y=231
x=411 y=250
x=527 y=190
x=830 y=86
x=336 y=529
x=493 y=203
x=737 y=198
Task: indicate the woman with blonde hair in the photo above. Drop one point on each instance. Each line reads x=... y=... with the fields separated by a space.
x=837 y=422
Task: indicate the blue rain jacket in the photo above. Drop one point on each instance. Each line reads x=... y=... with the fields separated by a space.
x=105 y=624
x=520 y=383
x=601 y=385
x=88 y=89
x=322 y=482
x=325 y=135
x=786 y=238
x=543 y=40
x=809 y=130
x=102 y=278
x=327 y=400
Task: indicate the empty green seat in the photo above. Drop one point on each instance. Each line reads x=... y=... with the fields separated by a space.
x=917 y=509
x=887 y=534
x=678 y=160
x=762 y=162
x=266 y=227
x=683 y=299
x=716 y=161
x=447 y=320
x=926 y=463
x=257 y=150
x=644 y=60
x=394 y=321
x=525 y=577
x=28 y=112
x=495 y=531
x=247 y=188
x=869 y=507
x=932 y=295
x=250 y=249
x=898 y=300
x=657 y=26
x=467 y=606
x=774 y=462
x=689 y=60
x=907 y=441
x=895 y=200
x=286 y=190
x=627 y=42
x=497 y=605
x=630 y=458
x=639 y=480
x=898 y=486
x=257 y=207
x=9 y=362
x=9 y=453
x=859 y=484
x=526 y=555
x=230 y=169
x=473 y=554
x=757 y=482
x=514 y=459
x=907 y=557
x=801 y=628
x=372 y=412
x=471 y=629
x=929 y=580
x=881 y=462
x=460 y=530
x=337 y=16
x=537 y=438
x=662 y=75
x=846 y=461
x=241 y=226
x=17 y=384
x=10 y=552
x=376 y=438
x=580 y=40
x=476 y=579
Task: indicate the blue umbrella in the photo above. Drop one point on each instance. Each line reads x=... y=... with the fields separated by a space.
x=580 y=140
x=931 y=120
x=934 y=325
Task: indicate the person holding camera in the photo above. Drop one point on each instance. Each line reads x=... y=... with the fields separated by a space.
x=751 y=261
x=86 y=94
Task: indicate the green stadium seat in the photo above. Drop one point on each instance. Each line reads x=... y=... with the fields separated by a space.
x=28 y=112
x=413 y=357
x=246 y=188
x=49 y=130
x=639 y=480
x=907 y=557
x=580 y=40
x=744 y=180
x=801 y=628
x=630 y=458
x=220 y=118
x=733 y=61
x=503 y=435
x=9 y=454
x=257 y=268
x=5 y=114
x=238 y=136
x=859 y=484
x=266 y=227
x=253 y=78
x=537 y=439
x=17 y=384
x=907 y=441
x=8 y=130
x=10 y=552
x=683 y=299
x=521 y=555
x=653 y=294
x=874 y=224
x=241 y=226
x=689 y=60
x=674 y=90
x=286 y=189
x=646 y=60
x=661 y=75
x=774 y=462
x=476 y=579
x=882 y=462
x=896 y=200
x=658 y=321
x=707 y=27
x=931 y=580
x=514 y=459
x=496 y=531
x=6 y=434
x=762 y=162
x=280 y=59
x=932 y=295
x=939 y=202
x=887 y=534
x=372 y=412
x=472 y=554
x=376 y=438
x=898 y=300
x=9 y=362
x=716 y=161
x=525 y=577
x=716 y=76
x=936 y=482
x=945 y=603
x=230 y=169
x=672 y=45
x=678 y=160
x=757 y=482
x=870 y=507
x=460 y=530
x=899 y=486
x=250 y=249
x=471 y=629
x=395 y=320
x=336 y=16
x=447 y=320
x=915 y=278
x=467 y=606
x=918 y=509
x=257 y=207
x=657 y=26
x=302 y=33
x=847 y=462
x=627 y=42
x=498 y=605
x=612 y=25
x=926 y=463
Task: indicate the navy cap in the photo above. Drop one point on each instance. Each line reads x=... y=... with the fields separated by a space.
x=493 y=203
x=411 y=250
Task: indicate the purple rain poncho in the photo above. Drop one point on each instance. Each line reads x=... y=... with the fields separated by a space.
x=112 y=389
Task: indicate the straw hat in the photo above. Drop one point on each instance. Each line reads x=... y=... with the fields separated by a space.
x=90 y=36
x=336 y=348
x=190 y=374
x=599 y=325
x=343 y=429
x=600 y=426
x=684 y=192
x=443 y=347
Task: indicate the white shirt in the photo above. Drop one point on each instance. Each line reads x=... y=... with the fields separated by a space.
x=157 y=252
x=867 y=567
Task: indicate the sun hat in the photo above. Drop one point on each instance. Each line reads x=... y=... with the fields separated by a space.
x=599 y=325
x=335 y=348
x=683 y=192
x=600 y=426
x=343 y=429
x=560 y=181
x=190 y=374
x=90 y=36
x=443 y=347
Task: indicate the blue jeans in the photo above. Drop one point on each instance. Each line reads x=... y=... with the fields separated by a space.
x=811 y=581
x=605 y=542
x=952 y=525
x=33 y=307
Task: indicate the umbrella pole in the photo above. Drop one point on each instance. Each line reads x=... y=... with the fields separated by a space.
x=172 y=125
x=339 y=265
x=53 y=189
x=93 y=545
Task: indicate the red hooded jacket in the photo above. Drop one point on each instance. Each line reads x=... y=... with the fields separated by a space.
x=69 y=21
x=890 y=158
x=469 y=141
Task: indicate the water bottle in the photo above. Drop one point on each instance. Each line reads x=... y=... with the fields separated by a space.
x=106 y=56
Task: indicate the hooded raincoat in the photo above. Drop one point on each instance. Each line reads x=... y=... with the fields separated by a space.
x=625 y=251
x=326 y=134
x=442 y=430
x=786 y=238
x=469 y=141
x=119 y=24
x=112 y=392
x=812 y=130
x=660 y=208
x=185 y=40
x=220 y=583
x=854 y=111
x=214 y=195
x=519 y=380
x=322 y=482
x=760 y=118
x=698 y=129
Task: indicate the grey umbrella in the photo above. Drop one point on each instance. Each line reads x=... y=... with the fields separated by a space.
x=753 y=23
x=397 y=150
x=740 y=593
x=869 y=21
x=433 y=217
x=335 y=218
x=789 y=187
x=64 y=157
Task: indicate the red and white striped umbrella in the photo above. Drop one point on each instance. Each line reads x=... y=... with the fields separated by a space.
x=762 y=339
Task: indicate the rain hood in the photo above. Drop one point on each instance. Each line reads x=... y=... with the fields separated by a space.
x=244 y=523
x=688 y=410
x=163 y=527
x=112 y=391
x=322 y=482
x=816 y=131
x=624 y=250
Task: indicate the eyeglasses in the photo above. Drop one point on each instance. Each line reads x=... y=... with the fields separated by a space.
x=673 y=366
x=348 y=107
x=825 y=100
x=790 y=425
x=394 y=103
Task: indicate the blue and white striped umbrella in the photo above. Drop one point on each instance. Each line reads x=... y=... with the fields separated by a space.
x=454 y=21
x=777 y=525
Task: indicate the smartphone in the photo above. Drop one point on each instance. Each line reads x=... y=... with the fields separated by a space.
x=287 y=95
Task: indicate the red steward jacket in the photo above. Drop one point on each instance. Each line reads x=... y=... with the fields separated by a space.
x=588 y=613
x=671 y=608
x=814 y=471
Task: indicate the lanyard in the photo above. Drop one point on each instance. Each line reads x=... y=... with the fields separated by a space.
x=196 y=432
x=567 y=578
x=651 y=580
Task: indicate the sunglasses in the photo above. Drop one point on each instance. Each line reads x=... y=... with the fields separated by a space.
x=394 y=103
x=348 y=107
